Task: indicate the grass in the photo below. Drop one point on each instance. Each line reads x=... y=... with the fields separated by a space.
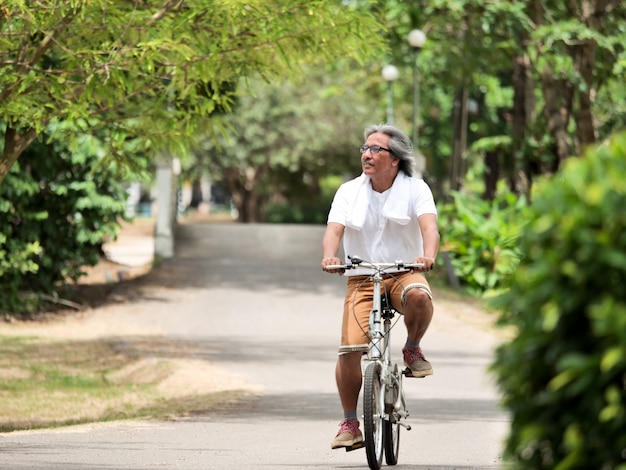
x=52 y=383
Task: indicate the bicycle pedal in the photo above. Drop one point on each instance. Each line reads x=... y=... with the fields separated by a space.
x=355 y=446
x=409 y=373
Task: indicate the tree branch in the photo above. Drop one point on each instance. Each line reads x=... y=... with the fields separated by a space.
x=169 y=6
x=52 y=35
x=14 y=145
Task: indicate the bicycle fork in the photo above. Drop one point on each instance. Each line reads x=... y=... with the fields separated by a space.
x=391 y=377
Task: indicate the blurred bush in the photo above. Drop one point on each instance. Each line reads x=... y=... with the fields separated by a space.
x=563 y=375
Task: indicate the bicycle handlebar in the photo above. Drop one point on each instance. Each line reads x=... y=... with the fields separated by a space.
x=359 y=263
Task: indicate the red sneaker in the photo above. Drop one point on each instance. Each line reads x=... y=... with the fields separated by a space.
x=415 y=360
x=348 y=435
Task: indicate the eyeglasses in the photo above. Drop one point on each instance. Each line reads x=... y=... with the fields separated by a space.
x=374 y=149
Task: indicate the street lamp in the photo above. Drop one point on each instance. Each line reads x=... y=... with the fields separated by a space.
x=390 y=75
x=417 y=39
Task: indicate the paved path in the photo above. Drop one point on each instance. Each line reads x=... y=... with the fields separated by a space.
x=253 y=300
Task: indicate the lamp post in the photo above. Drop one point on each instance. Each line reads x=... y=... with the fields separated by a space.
x=390 y=75
x=416 y=39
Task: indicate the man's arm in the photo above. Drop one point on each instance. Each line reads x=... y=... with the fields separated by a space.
x=430 y=235
x=330 y=245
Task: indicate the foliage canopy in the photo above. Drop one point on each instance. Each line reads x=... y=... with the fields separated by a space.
x=155 y=71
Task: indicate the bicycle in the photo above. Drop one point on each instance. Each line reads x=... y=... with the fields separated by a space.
x=384 y=404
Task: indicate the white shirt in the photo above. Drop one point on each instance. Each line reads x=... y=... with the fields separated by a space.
x=382 y=239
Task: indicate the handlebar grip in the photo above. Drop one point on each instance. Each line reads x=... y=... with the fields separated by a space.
x=336 y=266
x=413 y=265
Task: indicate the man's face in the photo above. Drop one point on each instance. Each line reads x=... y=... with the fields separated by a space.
x=381 y=162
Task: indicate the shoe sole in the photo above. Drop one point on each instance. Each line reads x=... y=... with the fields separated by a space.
x=347 y=444
x=418 y=374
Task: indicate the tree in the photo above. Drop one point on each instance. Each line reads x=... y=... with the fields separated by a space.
x=563 y=61
x=287 y=136
x=155 y=72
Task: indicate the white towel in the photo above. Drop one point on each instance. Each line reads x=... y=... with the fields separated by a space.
x=396 y=208
x=360 y=202
x=398 y=205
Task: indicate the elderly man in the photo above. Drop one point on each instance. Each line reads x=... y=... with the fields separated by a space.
x=385 y=214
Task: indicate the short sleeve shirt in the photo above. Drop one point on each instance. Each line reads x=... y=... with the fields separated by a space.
x=381 y=239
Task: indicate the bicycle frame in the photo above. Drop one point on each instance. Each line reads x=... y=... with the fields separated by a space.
x=380 y=350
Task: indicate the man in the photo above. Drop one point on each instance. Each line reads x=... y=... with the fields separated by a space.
x=383 y=215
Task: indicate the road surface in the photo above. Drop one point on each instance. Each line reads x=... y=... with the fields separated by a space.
x=252 y=300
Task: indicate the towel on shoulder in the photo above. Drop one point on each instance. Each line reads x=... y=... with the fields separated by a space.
x=397 y=207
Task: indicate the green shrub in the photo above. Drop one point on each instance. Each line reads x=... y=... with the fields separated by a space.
x=481 y=238
x=57 y=208
x=563 y=375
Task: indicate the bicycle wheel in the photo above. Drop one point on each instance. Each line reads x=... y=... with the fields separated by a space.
x=391 y=432
x=373 y=416
x=391 y=426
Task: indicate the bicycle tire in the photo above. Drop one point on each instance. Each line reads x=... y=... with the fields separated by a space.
x=373 y=416
x=391 y=426
x=391 y=439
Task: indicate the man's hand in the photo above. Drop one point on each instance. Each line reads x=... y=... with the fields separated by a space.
x=428 y=264
x=332 y=261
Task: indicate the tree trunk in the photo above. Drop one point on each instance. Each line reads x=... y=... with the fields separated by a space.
x=243 y=185
x=557 y=96
x=584 y=56
x=492 y=174
x=523 y=116
x=459 y=126
x=557 y=109
x=14 y=145
x=585 y=126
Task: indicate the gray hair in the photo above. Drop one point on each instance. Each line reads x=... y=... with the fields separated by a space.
x=399 y=144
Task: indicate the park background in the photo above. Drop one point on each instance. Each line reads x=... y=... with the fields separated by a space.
x=113 y=110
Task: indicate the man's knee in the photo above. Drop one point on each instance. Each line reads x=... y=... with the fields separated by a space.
x=417 y=296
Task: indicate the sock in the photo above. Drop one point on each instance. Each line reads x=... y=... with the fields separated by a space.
x=350 y=415
x=410 y=344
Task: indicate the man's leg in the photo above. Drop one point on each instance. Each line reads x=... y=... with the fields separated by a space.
x=418 y=314
x=349 y=377
x=354 y=341
x=415 y=298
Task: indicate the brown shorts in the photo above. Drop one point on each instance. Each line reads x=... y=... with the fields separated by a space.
x=358 y=305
